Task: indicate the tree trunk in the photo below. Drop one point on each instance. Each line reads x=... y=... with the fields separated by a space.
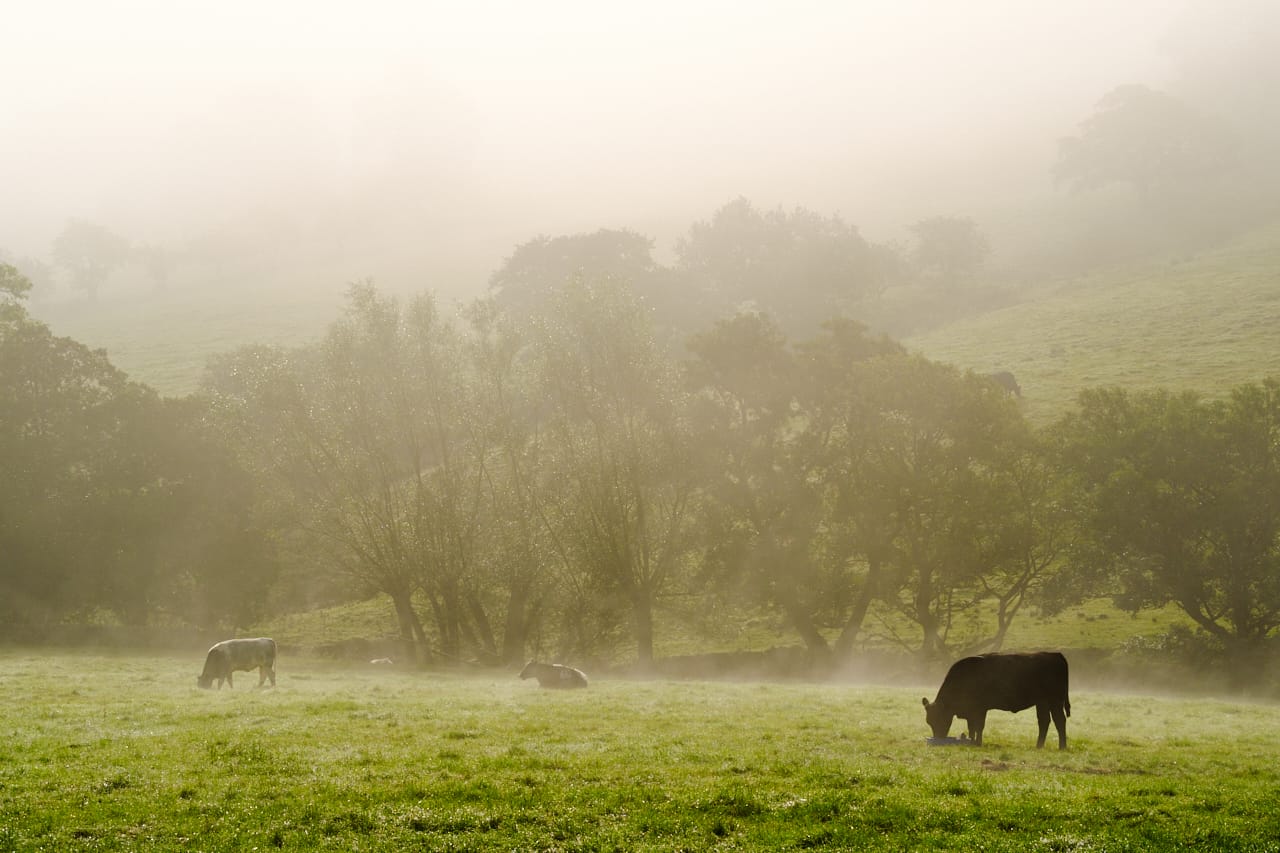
x=413 y=638
x=642 y=616
x=515 y=628
x=802 y=622
x=861 y=603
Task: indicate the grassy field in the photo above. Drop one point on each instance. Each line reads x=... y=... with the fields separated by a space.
x=1204 y=323
x=124 y=753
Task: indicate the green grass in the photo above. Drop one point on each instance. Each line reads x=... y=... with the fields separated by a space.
x=123 y=752
x=165 y=339
x=1205 y=323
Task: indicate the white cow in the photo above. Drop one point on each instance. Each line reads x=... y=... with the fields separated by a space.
x=554 y=675
x=239 y=656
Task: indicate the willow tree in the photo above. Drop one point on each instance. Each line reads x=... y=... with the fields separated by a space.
x=370 y=430
x=618 y=433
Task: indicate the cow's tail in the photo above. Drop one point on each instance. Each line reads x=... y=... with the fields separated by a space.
x=1066 y=699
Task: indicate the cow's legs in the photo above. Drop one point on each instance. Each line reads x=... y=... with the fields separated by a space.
x=230 y=683
x=977 y=723
x=1060 y=723
x=1042 y=717
x=262 y=675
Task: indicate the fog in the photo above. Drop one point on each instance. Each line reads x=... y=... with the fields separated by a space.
x=419 y=143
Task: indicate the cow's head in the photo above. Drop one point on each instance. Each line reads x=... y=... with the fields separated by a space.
x=203 y=681
x=938 y=718
x=528 y=670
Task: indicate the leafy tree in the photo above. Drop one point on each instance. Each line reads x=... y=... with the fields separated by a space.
x=760 y=512
x=950 y=249
x=537 y=269
x=89 y=253
x=369 y=433
x=799 y=267
x=1143 y=137
x=619 y=435
x=923 y=486
x=1181 y=500
x=516 y=551
x=103 y=491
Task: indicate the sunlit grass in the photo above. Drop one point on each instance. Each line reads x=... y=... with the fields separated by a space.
x=123 y=752
x=1204 y=323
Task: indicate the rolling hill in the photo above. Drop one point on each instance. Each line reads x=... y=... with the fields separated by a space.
x=1204 y=323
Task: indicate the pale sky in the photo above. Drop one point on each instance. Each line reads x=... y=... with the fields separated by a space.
x=480 y=125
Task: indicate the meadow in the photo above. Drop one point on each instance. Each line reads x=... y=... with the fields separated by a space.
x=123 y=752
x=1202 y=323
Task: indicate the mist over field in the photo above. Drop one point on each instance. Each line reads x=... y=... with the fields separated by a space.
x=722 y=268
x=302 y=146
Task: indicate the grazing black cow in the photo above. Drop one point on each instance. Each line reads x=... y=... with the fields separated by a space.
x=1005 y=682
x=1006 y=381
x=554 y=675
x=239 y=656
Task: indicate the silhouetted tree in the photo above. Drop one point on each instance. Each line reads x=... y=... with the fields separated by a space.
x=1145 y=138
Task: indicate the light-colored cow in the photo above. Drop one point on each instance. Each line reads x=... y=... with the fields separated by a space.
x=554 y=675
x=239 y=656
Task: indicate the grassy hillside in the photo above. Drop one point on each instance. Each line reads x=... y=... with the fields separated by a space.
x=165 y=339
x=1206 y=323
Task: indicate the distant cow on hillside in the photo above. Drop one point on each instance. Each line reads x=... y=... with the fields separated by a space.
x=554 y=675
x=239 y=656
x=1006 y=381
x=1004 y=682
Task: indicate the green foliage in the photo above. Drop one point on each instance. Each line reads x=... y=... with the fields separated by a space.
x=1181 y=499
x=619 y=439
x=535 y=270
x=950 y=249
x=112 y=498
x=342 y=759
x=799 y=267
x=1145 y=138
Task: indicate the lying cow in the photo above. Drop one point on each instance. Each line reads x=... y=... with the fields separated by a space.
x=239 y=656
x=554 y=675
x=1005 y=682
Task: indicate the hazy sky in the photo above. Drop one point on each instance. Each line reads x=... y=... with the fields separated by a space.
x=454 y=130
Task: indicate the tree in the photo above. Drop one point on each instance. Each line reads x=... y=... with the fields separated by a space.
x=369 y=432
x=619 y=435
x=950 y=249
x=1180 y=498
x=799 y=267
x=105 y=504
x=1143 y=137
x=760 y=510
x=922 y=478
x=537 y=269
x=89 y=253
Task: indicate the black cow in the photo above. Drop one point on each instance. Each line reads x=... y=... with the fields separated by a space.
x=1005 y=682
x=1006 y=381
x=554 y=675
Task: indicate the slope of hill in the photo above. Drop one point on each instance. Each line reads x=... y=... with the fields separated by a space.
x=165 y=339
x=1203 y=323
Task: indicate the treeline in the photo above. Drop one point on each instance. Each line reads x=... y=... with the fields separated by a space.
x=557 y=478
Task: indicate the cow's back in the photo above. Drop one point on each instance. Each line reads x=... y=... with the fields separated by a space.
x=1006 y=682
